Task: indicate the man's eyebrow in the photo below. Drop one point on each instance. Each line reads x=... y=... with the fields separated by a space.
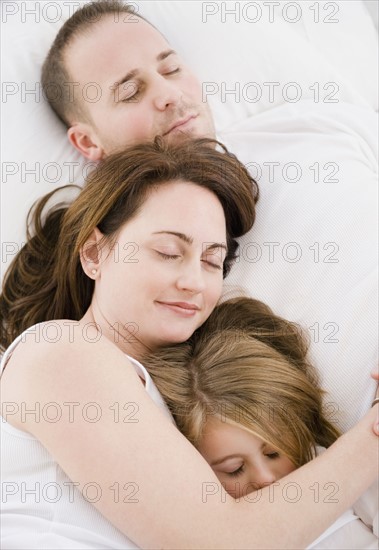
x=189 y=240
x=166 y=53
x=134 y=72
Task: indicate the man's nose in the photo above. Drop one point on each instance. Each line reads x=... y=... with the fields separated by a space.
x=166 y=93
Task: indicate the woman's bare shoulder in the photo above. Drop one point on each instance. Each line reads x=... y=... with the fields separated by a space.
x=59 y=339
x=57 y=359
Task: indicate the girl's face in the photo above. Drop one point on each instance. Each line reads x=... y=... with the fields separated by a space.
x=163 y=277
x=242 y=461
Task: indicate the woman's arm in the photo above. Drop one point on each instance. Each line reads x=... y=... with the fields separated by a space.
x=175 y=491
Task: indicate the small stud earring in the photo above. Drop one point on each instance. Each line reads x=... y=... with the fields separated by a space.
x=94 y=271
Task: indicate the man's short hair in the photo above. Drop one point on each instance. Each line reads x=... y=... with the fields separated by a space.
x=57 y=84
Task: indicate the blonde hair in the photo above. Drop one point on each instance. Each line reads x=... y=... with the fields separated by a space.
x=248 y=367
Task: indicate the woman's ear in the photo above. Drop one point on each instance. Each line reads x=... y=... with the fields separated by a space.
x=90 y=254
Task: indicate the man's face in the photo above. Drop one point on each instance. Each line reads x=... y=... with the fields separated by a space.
x=137 y=87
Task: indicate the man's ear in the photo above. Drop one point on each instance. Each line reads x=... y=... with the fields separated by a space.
x=90 y=254
x=81 y=137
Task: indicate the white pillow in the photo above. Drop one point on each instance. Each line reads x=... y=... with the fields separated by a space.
x=250 y=48
x=225 y=53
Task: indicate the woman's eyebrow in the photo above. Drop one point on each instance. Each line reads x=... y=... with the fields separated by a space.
x=181 y=236
x=216 y=245
x=189 y=240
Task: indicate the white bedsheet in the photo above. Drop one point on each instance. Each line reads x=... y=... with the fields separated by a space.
x=312 y=254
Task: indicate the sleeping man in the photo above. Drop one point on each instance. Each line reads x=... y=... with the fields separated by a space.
x=307 y=157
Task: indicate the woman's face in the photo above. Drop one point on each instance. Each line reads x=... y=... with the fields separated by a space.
x=242 y=461
x=163 y=277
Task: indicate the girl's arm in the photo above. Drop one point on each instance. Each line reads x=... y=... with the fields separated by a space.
x=176 y=493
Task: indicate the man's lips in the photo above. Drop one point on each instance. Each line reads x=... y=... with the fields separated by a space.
x=183 y=308
x=180 y=123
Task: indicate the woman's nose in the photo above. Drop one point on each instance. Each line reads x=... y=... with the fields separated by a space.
x=191 y=279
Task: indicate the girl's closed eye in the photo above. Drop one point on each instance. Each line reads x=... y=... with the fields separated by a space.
x=237 y=472
x=272 y=455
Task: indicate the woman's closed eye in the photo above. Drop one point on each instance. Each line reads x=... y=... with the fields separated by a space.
x=214 y=259
x=212 y=264
x=166 y=256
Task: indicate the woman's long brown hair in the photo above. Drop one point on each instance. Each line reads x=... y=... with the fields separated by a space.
x=45 y=280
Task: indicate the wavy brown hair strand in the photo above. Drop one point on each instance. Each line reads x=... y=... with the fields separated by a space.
x=46 y=280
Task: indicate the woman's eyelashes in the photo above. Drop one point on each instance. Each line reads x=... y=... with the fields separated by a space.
x=212 y=264
x=168 y=256
x=206 y=260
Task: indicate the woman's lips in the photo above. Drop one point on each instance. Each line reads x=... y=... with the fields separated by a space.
x=181 y=308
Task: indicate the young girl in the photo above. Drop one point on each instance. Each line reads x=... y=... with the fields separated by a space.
x=91 y=457
x=243 y=392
